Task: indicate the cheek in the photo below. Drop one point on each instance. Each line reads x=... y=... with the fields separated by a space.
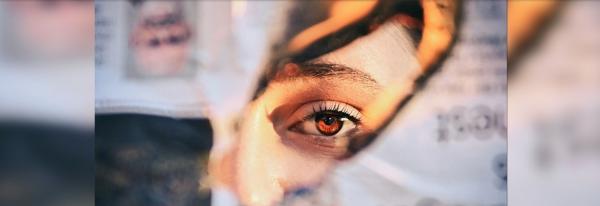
x=303 y=170
x=266 y=168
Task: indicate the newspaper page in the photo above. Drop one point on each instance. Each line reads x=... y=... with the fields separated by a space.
x=149 y=57
x=448 y=146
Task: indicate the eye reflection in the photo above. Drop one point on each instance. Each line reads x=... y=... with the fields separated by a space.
x=326 y=118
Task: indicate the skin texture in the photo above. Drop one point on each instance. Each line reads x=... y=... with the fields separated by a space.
x=269 y=159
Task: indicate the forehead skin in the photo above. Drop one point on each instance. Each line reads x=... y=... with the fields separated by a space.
x=387 y=54
x=326 y=71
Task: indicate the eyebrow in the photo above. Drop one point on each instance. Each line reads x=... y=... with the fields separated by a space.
x=334 y=71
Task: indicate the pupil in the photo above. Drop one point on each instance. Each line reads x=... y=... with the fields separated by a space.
x=328 y=120
x=328 y=124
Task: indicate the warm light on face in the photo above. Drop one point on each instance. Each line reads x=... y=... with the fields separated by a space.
x=294 y=134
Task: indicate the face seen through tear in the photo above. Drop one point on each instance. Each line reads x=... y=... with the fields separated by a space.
x=295 y=133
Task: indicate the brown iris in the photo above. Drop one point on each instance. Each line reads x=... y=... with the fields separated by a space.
x=328 y=124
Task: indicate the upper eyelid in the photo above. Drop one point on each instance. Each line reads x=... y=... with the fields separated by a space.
x=338 y=107
x=344 y=108
x=301 y=113
x=312 y=115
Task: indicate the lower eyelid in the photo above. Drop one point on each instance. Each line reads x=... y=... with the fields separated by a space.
x=316 y=145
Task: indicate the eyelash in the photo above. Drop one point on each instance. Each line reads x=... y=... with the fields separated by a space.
x=336 y=108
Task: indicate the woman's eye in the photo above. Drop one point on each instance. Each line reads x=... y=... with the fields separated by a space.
x=327 y=119
x=321 y=127
x=328 y=124
x=325 y=124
